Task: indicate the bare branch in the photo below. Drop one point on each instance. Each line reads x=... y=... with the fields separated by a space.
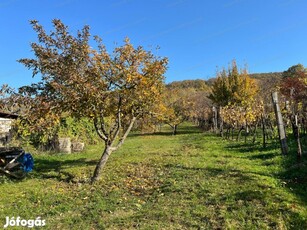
x=122 y=140
x=118 y=118
x=99 y=132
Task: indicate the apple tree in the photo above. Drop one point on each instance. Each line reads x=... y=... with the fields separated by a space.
x=112 y=89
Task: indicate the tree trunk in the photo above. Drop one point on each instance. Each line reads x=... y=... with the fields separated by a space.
x=246 y=132
x=263 y=131
x=305 y=127
x=103 y=160
x=270 y=125
x=255 y=132
x=175 y=129
x=228 y=133
x=108 y=150
x=232 y=132
x=296 y=134
x=239 y=134
x=222 y=129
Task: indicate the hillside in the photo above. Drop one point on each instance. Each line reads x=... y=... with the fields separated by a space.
x=197 y=84
x=266 y=81
x=272 y=77
x=276 y=75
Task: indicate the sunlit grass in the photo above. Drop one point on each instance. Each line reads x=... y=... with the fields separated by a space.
x=193 y=180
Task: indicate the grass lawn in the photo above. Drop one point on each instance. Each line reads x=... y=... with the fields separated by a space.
x=193 y=180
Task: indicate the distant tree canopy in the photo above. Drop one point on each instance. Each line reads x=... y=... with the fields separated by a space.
x=185 y=100
x=8 y=102
x=233 y=87
x=294 y=83
x=177 y=103
x=264 y=76
x=111 y=89
x=271 y=80
x=197 y=84
x=294 y=71
x=268 y=83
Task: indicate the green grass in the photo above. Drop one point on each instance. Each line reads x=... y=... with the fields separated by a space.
x=193 y=180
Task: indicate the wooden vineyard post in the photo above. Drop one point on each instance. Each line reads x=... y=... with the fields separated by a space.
x=214 y=111
x=221 y=122
x=280 y=124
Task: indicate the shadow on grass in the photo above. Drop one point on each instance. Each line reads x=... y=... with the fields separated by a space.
x=189 y=130
x=212 y=172
x=52 y=169
x=250 y=147
x=250 y=195
x=264 y=156
x=250 y=191
x=293 y=173
x=55 y=169
x=295 y=220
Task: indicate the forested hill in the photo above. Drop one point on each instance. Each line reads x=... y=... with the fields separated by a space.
x=267 y=81
x=197 y=84
x=266 y=75
x=264 y=80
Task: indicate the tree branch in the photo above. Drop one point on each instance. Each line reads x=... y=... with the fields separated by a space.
x=117 y=124
x=121 y=141
x=100 y=133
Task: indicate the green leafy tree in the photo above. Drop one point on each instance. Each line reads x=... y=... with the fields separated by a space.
x=233 y=87
x=235 y=92
x=221 y=94
x=294 y=71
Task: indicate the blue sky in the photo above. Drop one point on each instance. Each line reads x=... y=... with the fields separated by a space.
x=198 y=36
